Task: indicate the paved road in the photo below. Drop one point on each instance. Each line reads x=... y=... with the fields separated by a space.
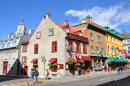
x=102 y=80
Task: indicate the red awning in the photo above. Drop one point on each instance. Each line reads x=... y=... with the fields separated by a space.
x=74 y=60
x=86 y=58
x=34 y=61
x=53 y=60
x=80 y=60
x=127 y=55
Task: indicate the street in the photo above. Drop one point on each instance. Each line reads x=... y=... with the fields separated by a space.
x=100 y=80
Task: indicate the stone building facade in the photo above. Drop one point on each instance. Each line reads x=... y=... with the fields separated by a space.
x=53 y=43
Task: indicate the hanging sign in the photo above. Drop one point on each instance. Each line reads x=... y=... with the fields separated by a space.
x=42 y=57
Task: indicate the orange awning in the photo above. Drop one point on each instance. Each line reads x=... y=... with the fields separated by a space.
x=80 y=60
x=34 y=61
x=74 y=60
x=86 y=58
x=53 y=60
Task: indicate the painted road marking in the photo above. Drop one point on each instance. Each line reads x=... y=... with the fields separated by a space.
x=5 y=85
x=17 y=85
x=12 y=84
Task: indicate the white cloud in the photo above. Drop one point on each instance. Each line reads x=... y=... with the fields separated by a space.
x=113 y=16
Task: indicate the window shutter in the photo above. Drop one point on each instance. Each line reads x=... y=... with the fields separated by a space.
x=61 y=66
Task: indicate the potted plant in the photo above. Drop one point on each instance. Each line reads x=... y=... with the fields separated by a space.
x=71 y=65
x=83 y=72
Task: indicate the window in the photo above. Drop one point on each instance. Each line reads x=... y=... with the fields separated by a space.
x=71 y=46
x=112 y=52
x=54 y=46
x=66 y=29
x=24 y=60
x=84 y=48
x=80 y=34
x=9 y=44
x=107 y=38
x=51 y=31
x=35 y=48
x=38 y=35
x=91 y=35
x=97 y=50
x=3 y=45
x=14 y=54
x=24 y=48
x=78 y=47
x=99 y=39
x=121 y=43
x=102 y=49
x=10 y=55
x=118 y=42
x=111 y=40
x=115 y=41
x=108 y=50
x=92 y=50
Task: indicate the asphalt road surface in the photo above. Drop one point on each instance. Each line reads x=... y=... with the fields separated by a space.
x=105 y=80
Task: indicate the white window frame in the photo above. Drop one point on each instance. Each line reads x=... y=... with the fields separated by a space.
x=115 y=41
x=92 y=49
x=97 y=50
x=108 y=50
x=91 y=35
x=51 y=32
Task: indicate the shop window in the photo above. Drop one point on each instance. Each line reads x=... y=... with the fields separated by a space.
x=54 y=67
x=78 y=47
x=54 y=46
x=24 y=48
x=71 y=46
x=66 y=66
x=35 y=48
x=84 y=48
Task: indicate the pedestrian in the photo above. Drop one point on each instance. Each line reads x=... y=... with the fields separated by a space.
x=105 y=67
x=121 y=69
x=31 y=76
x=47 y=74
x=36 y=74
x=118 y=70
x=77 y=69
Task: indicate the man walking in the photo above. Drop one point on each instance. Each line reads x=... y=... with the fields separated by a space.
x=36 y=74
x=31 y=76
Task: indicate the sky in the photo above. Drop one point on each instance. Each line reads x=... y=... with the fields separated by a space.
x=112 y=13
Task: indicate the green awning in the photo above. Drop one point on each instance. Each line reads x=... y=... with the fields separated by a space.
x=124 y=60
x=111 y=59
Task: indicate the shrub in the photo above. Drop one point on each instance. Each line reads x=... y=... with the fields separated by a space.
x=70 y=62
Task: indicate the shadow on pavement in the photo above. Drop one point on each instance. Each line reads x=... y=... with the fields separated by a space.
x=121 y=82
x=6 y=78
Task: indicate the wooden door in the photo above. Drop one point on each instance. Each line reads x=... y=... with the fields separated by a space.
x=25 y=70
x=5 y=64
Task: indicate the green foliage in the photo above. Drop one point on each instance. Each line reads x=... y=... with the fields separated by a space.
x=98 y=69
x=82 y=65
x=128 y=62
x=70 y=62
x=54 y=64
x=109 y=62
x=77 y=64
x=49 y=64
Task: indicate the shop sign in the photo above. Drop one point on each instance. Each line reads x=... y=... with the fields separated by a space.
x=42 y=57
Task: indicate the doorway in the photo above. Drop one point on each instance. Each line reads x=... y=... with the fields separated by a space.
x=5 y=64
x=25 y=70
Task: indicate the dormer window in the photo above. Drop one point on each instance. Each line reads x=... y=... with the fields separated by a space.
x=80 y=34
x=66 y=29
x=51 y=32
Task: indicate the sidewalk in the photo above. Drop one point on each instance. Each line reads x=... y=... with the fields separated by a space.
x=92 y=74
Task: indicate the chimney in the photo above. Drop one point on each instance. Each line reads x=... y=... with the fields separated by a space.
x=88 y=19
x=47 y=15
x=65 y=22
x=123 y=31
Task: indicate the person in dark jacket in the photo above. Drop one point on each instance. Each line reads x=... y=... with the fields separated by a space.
x=36 y=74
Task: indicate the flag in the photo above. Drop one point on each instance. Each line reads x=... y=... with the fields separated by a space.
x=128 y=51
x=112 y=48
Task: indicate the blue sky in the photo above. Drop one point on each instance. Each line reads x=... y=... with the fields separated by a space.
x=112 y=13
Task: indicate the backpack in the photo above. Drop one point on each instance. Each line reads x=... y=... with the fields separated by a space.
x=47 y=73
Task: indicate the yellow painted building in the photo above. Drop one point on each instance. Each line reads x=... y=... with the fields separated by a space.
x=113 y=39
